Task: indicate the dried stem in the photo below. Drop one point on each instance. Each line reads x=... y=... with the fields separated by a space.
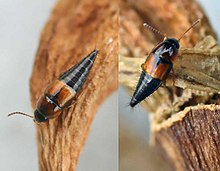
x=185 y=134
x=74 y=29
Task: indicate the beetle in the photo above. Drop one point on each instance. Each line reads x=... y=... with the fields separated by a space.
x=62 y=93
x=157 y=66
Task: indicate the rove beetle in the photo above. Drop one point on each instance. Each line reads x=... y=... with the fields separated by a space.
x=63 y=91
x=157 y=66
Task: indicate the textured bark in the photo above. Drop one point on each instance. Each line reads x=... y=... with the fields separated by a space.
x=74 y=29
x=191 y=140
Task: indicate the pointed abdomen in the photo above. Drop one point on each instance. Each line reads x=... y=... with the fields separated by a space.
x=155 y=70
x=76 y=76
x=145 y=87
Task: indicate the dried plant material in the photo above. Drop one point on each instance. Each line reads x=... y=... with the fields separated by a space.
x=196 y=70
x=185 y=140
x=170 y=17
x=74 y=29
x=135 y=12
x=190 y=138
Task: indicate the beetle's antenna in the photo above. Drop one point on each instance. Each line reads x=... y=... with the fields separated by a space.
x=20 y=113
x=154 y=30
x=196 y=22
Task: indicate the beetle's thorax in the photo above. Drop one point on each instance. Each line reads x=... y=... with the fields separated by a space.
x=46 y=108
x=168 y=49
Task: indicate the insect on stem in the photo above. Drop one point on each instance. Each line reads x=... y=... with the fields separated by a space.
x=154 y=30
x=196 y=22
x=20 y=113
x=155 y=69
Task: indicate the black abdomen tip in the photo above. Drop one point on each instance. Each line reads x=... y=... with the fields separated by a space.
x=145 y=87
x=93 y=54
x=133 y=102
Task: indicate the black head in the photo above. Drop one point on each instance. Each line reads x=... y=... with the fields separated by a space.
x=39 y=117
x=173 y=42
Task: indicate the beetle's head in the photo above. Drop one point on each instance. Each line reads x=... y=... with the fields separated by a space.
x=39 y=117
x=173 y=42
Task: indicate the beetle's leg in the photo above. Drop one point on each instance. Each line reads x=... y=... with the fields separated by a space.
x=72 y=103
x=173 y=77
